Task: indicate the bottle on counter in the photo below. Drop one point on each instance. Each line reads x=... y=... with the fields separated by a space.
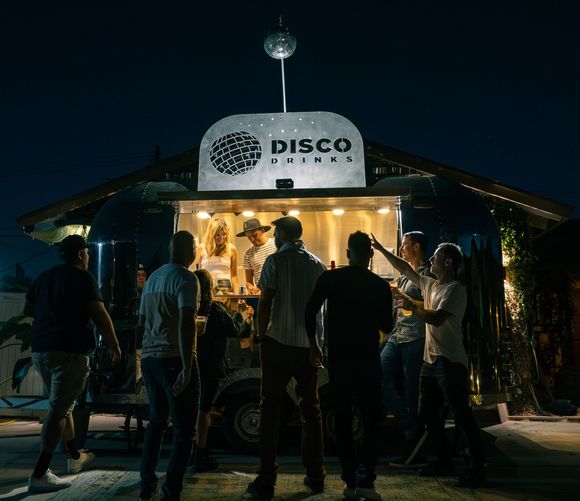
x=332 y=265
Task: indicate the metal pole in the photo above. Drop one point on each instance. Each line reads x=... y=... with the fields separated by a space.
x=283 y=85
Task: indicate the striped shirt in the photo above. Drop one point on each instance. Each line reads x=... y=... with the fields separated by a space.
x=292 y=272
x=255 y=257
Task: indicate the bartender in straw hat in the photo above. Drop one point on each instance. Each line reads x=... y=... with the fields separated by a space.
x=261 y=248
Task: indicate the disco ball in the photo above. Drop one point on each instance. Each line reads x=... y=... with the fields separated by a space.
x=279 y=43
x=235 y=153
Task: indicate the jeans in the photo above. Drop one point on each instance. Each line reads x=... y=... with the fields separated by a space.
x=280 y=363
x=160 y=374
x=447 y=382
x=356 y=382
x=401 y=364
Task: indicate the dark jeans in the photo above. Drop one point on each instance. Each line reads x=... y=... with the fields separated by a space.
x=356 y=382
x=447 y=382
x=401 y=364
x=280 y=363
x=160 y=375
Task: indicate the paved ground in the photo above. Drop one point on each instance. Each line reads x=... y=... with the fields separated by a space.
x=528 y=461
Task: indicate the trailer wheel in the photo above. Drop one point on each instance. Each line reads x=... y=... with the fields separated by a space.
x=328 y=422
x=242 y=421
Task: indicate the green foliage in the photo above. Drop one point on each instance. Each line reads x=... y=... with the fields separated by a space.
x=16 y=328
x=519 y=297
x=516 y=244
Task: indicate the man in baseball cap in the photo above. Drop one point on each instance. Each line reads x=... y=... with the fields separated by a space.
x=261 y=248
x=62 y=301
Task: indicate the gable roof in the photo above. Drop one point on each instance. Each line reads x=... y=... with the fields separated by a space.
x=541 y=209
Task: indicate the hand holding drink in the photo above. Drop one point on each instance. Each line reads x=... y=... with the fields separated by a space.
x=200 y=324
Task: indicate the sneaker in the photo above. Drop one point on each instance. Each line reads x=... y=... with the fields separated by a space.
x=404 y=463
x=349 y=492
x=49 y=482
x=473 y=479
x=369 y=493
x=258 y=490
x=438 y=469
x=84 y=460
x=315 y=485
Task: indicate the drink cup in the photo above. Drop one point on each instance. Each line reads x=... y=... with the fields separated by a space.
x=200 y=324
x=407 y=313
x=242 y=290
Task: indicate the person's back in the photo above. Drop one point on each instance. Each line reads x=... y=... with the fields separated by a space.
x=167 y=314
x=160 y=304
x=61 y=317
x=358 y=306
x=292 y=272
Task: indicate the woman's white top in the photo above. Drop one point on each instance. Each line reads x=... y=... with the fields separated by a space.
x=219 y=267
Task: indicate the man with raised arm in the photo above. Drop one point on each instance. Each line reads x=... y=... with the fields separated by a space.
x=169 y=304
x=402 y=354
x=62 y=300
x=444 y=376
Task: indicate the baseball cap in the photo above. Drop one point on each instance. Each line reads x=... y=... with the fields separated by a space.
x=72 y=244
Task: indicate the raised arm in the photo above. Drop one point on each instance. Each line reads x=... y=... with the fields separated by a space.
x=399 y=264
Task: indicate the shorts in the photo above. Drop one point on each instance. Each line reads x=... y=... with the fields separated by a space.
x=64 y=376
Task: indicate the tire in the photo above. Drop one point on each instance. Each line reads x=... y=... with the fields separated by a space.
x=242 y=421
x=328 y=423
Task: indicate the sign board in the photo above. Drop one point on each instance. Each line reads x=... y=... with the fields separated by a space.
x=252 y=152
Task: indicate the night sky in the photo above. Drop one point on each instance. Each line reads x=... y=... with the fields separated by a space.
x=89 y=88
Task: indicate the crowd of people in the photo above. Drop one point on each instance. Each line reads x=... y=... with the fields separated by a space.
x=307 y=317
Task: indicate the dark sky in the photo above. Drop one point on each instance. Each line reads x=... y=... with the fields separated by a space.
x=89 y=88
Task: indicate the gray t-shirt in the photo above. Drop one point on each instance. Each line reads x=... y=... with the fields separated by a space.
x=447 y=339
x=167 y=290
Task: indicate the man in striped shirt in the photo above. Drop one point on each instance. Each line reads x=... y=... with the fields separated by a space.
x=287 y=281
x=255 y=256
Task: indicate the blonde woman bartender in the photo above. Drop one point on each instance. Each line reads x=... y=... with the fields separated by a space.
x=218 y=255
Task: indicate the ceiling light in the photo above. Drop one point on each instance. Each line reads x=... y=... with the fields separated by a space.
x=248 y=213
x=294 y=213
x=338 y=212
x=203 y=215
x=383 y=210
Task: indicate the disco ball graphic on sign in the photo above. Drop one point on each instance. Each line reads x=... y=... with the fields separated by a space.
x=235 y=153
x=313 y=149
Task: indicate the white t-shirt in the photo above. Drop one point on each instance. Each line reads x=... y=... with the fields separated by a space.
x=447 y=339
x=219 y=267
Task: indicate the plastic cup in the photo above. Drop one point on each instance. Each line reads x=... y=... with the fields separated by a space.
x=200 y=324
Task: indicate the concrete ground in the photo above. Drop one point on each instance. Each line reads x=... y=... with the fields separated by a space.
x=527 y=461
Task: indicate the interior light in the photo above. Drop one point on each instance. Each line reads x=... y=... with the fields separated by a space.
x=203 y=215
x=294 y=213
x=338 y=212
x=383 y=210
x=248 y=213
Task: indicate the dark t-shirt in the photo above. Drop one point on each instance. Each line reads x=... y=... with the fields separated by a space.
x=211 y=346
x=59 y=298
x=359 y=303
